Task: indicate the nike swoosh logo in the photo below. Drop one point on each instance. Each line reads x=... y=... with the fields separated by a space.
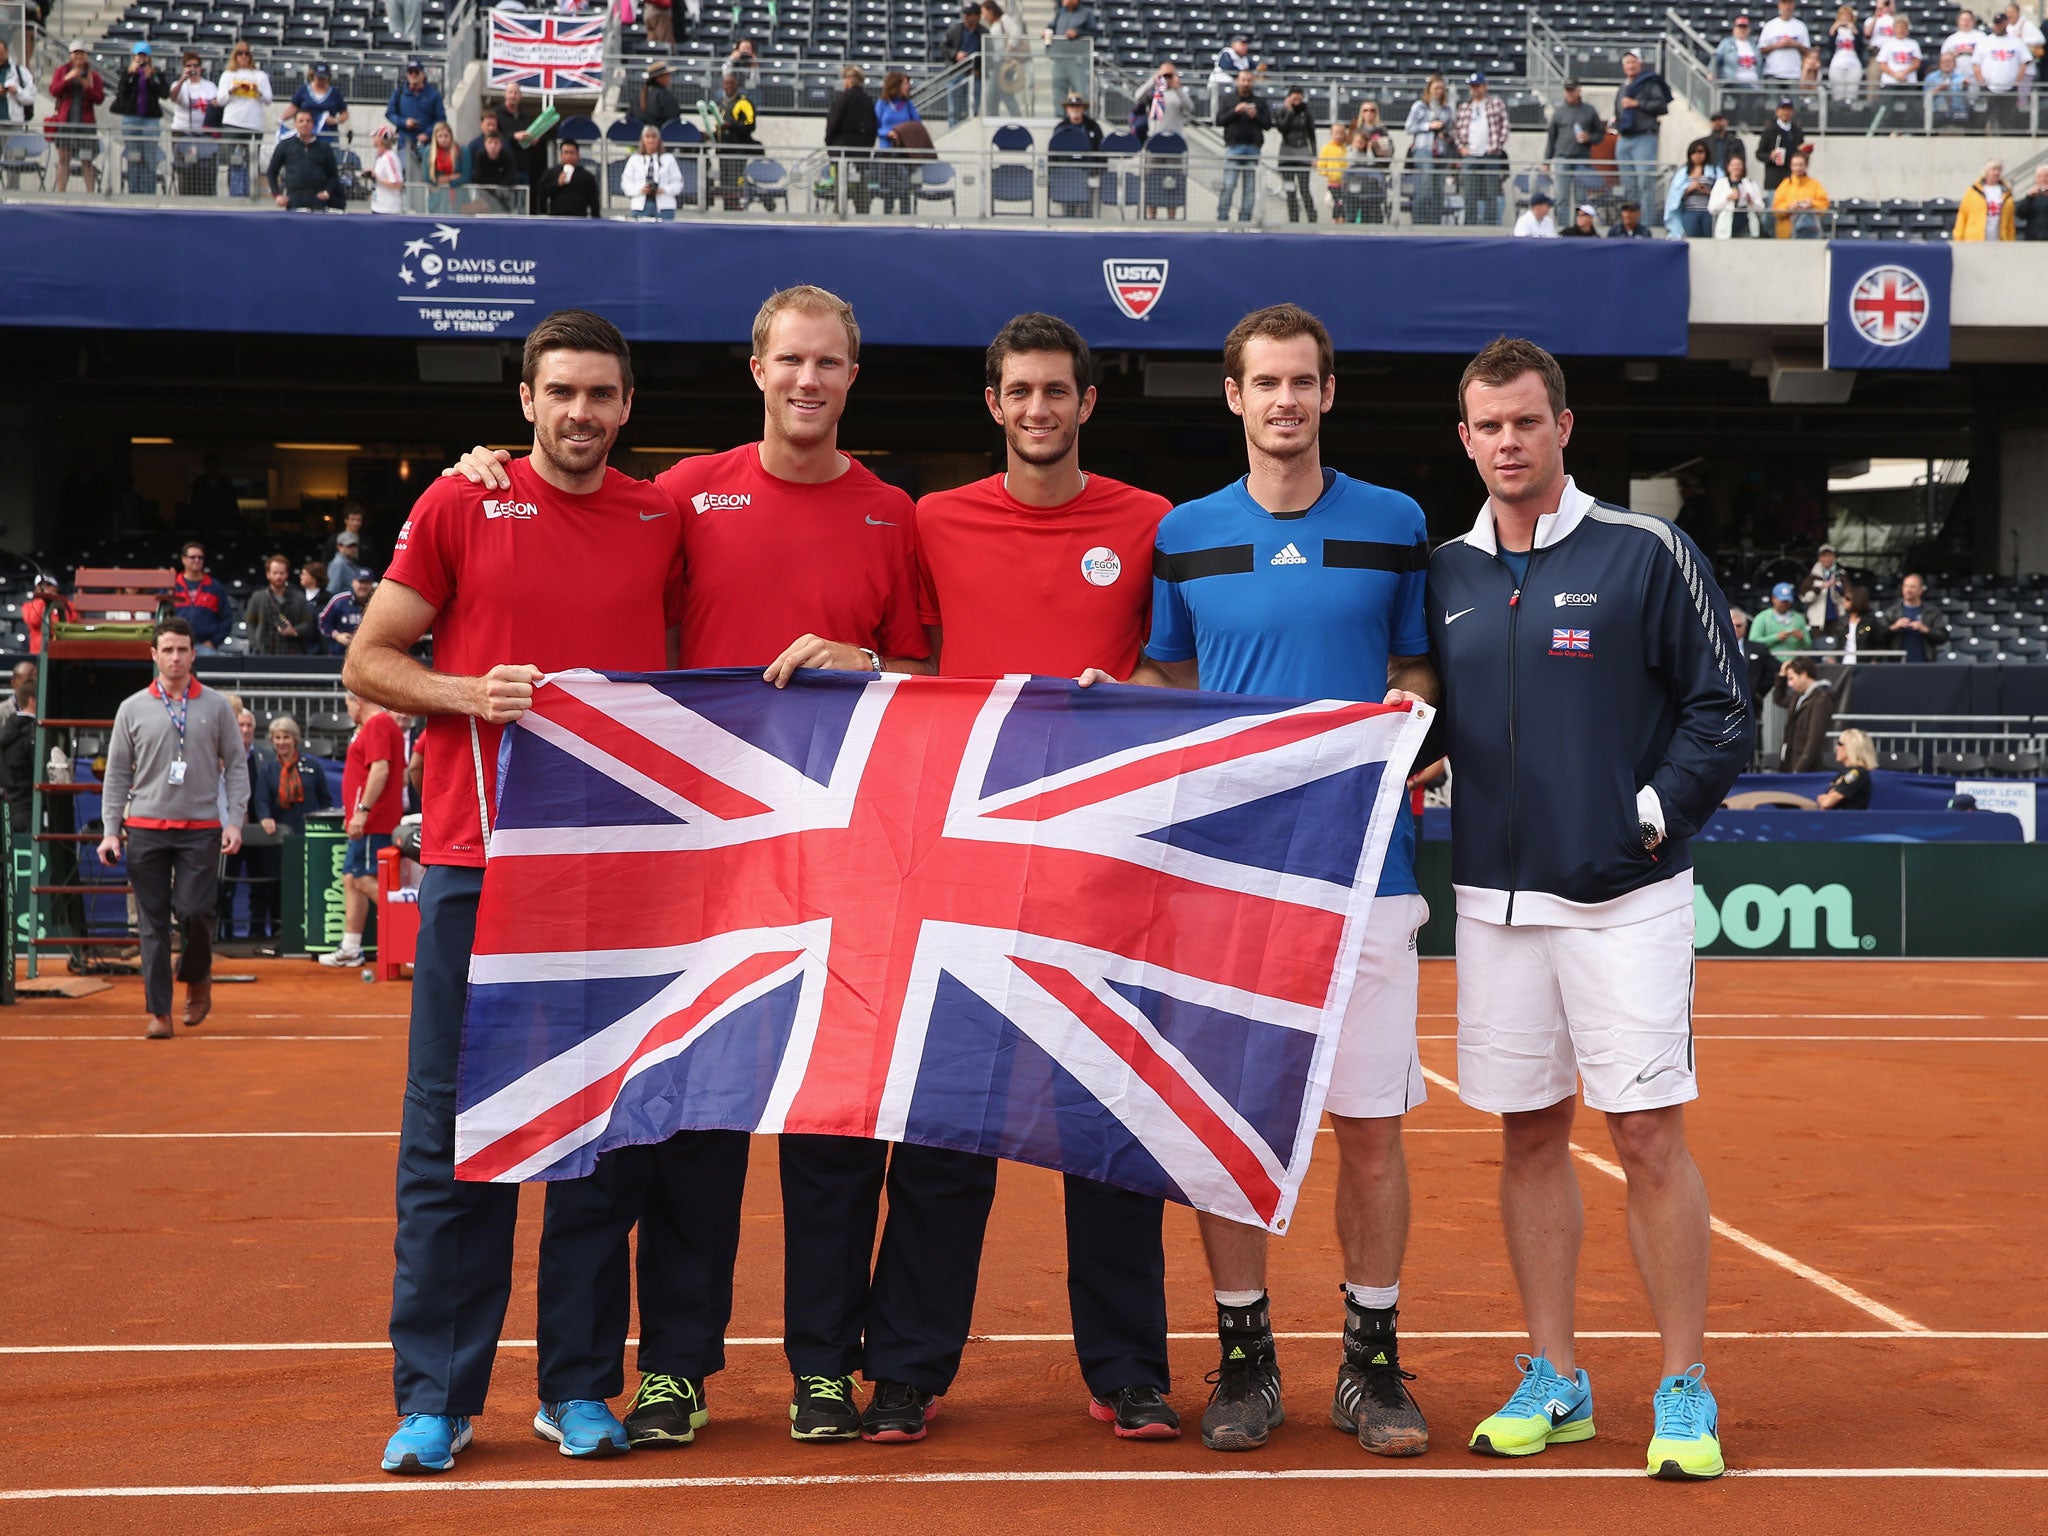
x=1644 y=1077
x=877 y=522
x=1452 y=618
x=652 y=517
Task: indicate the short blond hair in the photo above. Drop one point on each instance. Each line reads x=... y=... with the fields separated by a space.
x=809 y=300
x=1857 y=748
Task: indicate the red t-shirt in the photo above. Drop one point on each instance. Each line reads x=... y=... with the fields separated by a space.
x=538 y=577
x=1050 y=590
x=377 y=739
x=766 y=560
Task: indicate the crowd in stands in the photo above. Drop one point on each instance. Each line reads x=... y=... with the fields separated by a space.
x=311 y=609
x=1996 y=57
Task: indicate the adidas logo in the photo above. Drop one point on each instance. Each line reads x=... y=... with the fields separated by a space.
x=1289 y=556
x=1236 y=1352
x=1380 y=1358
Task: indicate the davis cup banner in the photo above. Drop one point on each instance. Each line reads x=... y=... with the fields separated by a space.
x=1111 y=931
x=547 y=54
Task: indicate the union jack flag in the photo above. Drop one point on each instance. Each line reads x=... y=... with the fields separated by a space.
x=1571 y=640
x=1111 y=931
x=548 y=54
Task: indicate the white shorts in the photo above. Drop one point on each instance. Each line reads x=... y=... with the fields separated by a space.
x=1378 y=1071
x=1539 y=1008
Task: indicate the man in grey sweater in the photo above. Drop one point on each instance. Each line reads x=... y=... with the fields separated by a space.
x=176 y=749
x=1575 y=127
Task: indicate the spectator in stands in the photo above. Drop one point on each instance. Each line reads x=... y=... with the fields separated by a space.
x=1987 y=211
x=245 y=98
x=1575 y=127
x=1782 y=628
x=1479 y=129
x=415 y=110
x=1067 y=41
x=2030 y=213
x=1075 y=111
x=1737 y=204
x=742 y=65
x=1722 y=144
x=17 y=89
x=496 y=164
x=49 y=600
x=347 y=563
x=373 y=798
x=570 y=191
x=1431 y=152
x=962 y=47
x=343 y=615
x=1964 y=42
x=1330 y=162
x=313 y=584
x=516 y=117
x=2030 y=36
x=444 y=167
x=1822 y=590
x=898 y=130
x=77 y=91
x=1809 y=72
x=1584 y=226
x=659 y=18
x=1537 y=222
x=140 y=96
x=1799 y=203
x=1244 y=122
x=191 y=94
x=1899 y=60
x=200 y=600
x=486 y=122
x=324 y=99
x=1232 y=64
x=1169 y=105
x=1877 y=26
x=387 y=171
x=735 y=135
x=281 y=622
x=1862 y=632
x=850 y=132
x=1736 y=60
x=304 y=175
x=1919 y=628
x=651 y=180
x=657 y=105
x=288 y=784
x=1949 y=94
x=1845 y=55
x=1013 y=72
x=1640 y=102
x=1784 y=43
x=236 y=875
x=1297 y=125
x=1811 y=698
x=18 y=748
x=1630 y=225
x=2002 y=58
x=1775 y=146
x=1850 y=789
x=1369 y=173
x=404 y=18
x=1759 y=668
x=1688 y=206
x=895 y=108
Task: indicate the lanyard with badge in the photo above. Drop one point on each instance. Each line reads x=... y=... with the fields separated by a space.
x=177 y=714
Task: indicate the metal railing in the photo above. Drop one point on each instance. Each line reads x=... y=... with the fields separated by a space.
x=1932 y=736
x=1557 y=54
x=783 y=87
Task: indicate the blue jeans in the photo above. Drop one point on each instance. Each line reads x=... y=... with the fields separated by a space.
x=1806 y=226
x=1483 y=178
x=1240 y=170
x=1635 y=159
x=650 y=211
x=1696 y=223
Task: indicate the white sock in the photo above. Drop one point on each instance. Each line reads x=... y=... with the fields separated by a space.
x=351 y=942
x=1235 y=1299
x=1377 y=1296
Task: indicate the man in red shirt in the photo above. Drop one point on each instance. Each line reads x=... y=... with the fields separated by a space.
x=482 y=569
x=1041 y=569
x=787 y=536
x=373 y=797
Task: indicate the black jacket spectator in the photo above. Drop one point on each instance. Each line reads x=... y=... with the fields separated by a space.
x=141 y=96
x=1244 y=130
x=657 y=105
x=2030 y=217
x=1853 y=785
x=18 y=768
x=962 y=38
x=1776 y=136
x=1723 y=146
x=305 y=170
x=1297 y=127
x=573 y=199
x=266 y=803
x=1562 y=142
x=1909 y=641
x=265 y=610
x=850 y=120
x=1806 y=733
x=501 y=170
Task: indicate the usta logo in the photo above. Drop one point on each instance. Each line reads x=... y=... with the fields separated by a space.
x=1575 y=599
x=719 y=501
x=525 y=511
x=1757 y=917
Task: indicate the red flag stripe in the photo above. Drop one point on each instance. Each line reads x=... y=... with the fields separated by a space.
x=637 y=752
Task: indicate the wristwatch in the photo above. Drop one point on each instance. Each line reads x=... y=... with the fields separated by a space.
x=1651 y=836
x=874 y=661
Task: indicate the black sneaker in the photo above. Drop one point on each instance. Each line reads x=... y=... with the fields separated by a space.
x=897 y=1413
x=1245 y=1404
x=1139 y=1413
x=667 y=1410
x=824 y=1408
x=1372 y=1400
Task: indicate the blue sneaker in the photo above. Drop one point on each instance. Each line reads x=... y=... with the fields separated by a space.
x=426 y=1442
x=1686 y=1446
x=1547 y=1409
x=582 y=1427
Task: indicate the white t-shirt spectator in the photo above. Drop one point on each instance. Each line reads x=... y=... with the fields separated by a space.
x=1964 y=46
x=1994 y=203
x=189 y=101
x=1229 y=65
x=245 y=95
x=1530 y=227
x=2001 y=60
x=1748 y=62
x=1783 y=63
x=383 y=199
x=662 y=170
x=1904 y=53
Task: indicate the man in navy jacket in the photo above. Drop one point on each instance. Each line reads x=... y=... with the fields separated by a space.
x=1596 y=716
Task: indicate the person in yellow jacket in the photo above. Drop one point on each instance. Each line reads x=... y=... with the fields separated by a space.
x=1330 y=161
x=1798 y=202
x=1986 y=213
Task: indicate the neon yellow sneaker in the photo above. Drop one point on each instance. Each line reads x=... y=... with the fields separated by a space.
x=1687 y=1445
x=1547 y=1409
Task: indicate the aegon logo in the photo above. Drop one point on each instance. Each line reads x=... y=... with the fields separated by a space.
x=1575 y=599
x=523 y=510
x=715 y=501
x=1756 y=917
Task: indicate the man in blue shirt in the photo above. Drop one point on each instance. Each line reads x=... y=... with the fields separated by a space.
x=1300 y=582
x=343 y=615
x=414 y=108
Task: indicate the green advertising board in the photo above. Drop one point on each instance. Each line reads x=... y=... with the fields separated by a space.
x=312 y=885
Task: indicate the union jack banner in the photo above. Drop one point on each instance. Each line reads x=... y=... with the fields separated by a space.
x=1570 y=640
x=548 y=54
x=1111 y=931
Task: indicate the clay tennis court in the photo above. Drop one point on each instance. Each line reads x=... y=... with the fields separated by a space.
x=197 y=1260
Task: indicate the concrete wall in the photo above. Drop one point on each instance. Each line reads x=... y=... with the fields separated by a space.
x=2023 y=494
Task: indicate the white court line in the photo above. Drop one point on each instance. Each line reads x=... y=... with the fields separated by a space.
x=936 y=1479
x=368 y=1346
x=1757 y=1246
